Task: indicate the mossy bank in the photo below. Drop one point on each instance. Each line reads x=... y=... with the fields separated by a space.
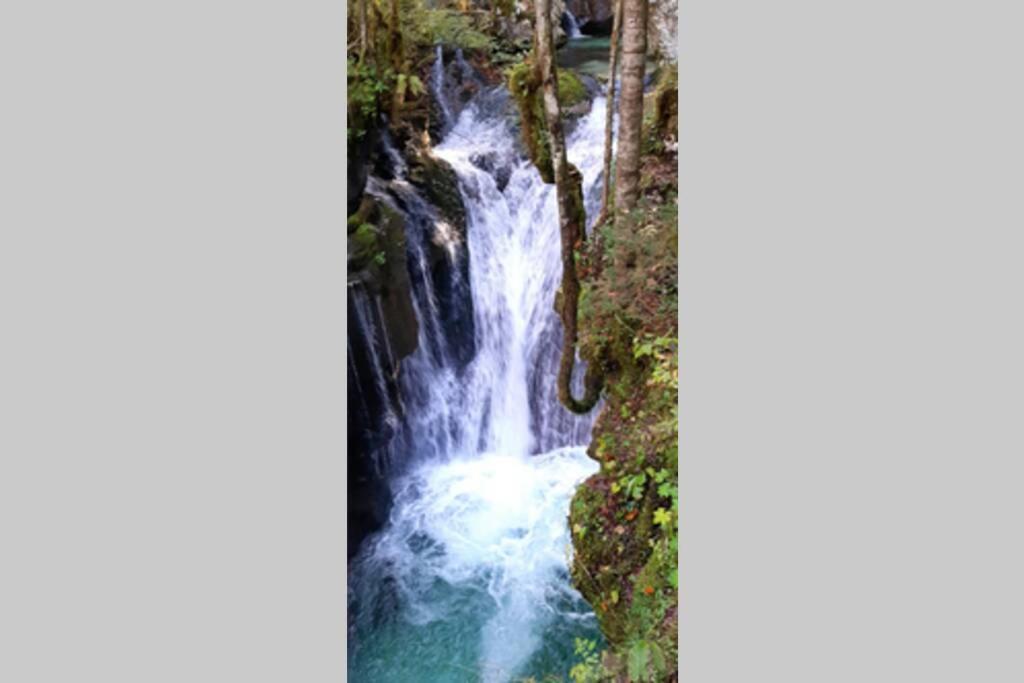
x=624 y=519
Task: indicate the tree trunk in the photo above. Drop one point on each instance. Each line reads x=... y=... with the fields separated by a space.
x=363 y=41
x=609 y=121
x=396 y=49
x=571 y=219
x=631 y=103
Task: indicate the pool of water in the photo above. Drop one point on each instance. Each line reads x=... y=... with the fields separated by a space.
x=589 y=55
x=469 y=582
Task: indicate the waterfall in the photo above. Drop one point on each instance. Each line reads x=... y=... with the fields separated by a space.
x=468 y=580
x=572 y=26
x=437 y=88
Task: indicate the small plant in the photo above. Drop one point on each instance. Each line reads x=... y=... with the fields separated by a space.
x=408 y=84
x=631 y=484
x=366 y=89
x=646 y=661
x=589 y=668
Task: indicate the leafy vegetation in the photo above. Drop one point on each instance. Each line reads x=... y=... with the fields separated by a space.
x=625 y=518
x=429 y=27
x=589 y=669
x=367 y=87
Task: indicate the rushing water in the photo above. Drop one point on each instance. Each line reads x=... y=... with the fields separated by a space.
x=468 y=580
x=572 y=25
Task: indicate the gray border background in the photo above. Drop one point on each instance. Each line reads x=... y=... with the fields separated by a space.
x=172 y=353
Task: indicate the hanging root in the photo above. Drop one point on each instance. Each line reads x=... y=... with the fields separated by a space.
x=573 y=233
x=571 y=215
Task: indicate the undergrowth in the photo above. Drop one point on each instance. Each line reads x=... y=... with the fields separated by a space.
x=624 y=519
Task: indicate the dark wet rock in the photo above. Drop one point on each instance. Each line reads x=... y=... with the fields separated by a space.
x=502 y=176
x=588 y=11
x=440 y=186
x=494 y=165
x=597 y=27
x=358 y=162
x=593 y=86
x=485 y=162
x=377 y=260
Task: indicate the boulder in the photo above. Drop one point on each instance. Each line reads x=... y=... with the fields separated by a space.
x=377 y=260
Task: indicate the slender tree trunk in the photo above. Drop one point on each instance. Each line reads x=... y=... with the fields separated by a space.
x=363 y=41
x=396 y=49
x=609 y=121
x=571 y=218
x=631 y=103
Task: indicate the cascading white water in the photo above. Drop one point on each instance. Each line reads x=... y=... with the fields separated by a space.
x=573 y=24
x=468 y=581
x=516 y=270
x=437 y=87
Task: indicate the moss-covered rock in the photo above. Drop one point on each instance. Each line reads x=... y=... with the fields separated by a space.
x=377 y=259
x=666 y=102
x=524 y=83
x=439 y=183
x=570 y=88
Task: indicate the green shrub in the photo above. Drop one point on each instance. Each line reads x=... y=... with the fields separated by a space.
x=448 y=27
x=367 y=89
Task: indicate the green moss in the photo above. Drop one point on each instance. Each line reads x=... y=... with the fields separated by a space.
x=525 y=86
x=365 y=236
x=570 y=88
x=524 y=83
x=375 y=232
x=661 y=118
x=666 y=102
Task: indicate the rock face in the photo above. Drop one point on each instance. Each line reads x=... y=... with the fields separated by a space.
x=377 y=261
x=523 y=27
x=408 y=275
x=662 y=30
x=382 y=330
x=358 y=167
x=446 y=232
x=593 y=16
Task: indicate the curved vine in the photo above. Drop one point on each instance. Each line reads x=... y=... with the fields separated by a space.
x=571 y=221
